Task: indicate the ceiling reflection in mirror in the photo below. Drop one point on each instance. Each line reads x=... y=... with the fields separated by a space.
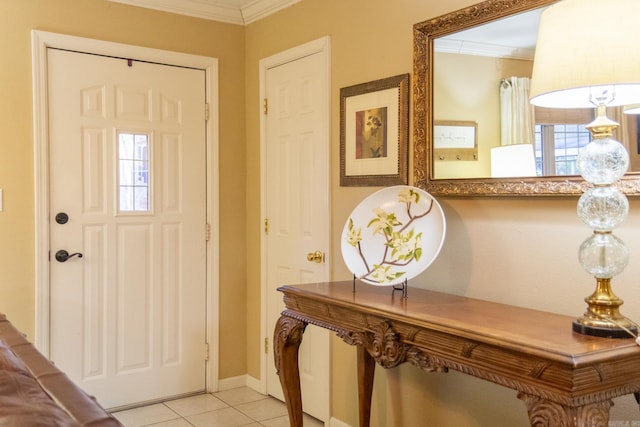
x=477 y=76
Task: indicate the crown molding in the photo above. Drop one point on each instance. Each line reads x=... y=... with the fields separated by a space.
x=215 y=10
x=259 y=9
x=482 y=49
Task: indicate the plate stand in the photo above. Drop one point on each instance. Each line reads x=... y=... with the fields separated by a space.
x=401 y=287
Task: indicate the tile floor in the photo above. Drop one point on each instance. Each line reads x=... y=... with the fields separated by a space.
x=230 y=408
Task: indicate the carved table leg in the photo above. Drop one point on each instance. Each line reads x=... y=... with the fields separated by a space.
x=286 y=342
x=366 y=369
x=544 y=413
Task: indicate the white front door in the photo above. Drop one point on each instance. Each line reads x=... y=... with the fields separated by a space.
x=128 y=195
x=297 y=209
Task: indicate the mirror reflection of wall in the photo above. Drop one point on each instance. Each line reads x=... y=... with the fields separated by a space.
x=468 y=70
x=466 y=88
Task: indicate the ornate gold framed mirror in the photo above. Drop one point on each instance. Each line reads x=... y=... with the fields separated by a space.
x=471 y=175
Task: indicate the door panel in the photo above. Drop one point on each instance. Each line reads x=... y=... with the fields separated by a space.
x=127 y=165
x=298 y=209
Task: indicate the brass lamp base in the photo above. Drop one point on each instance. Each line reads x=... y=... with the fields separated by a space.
x=603 y=318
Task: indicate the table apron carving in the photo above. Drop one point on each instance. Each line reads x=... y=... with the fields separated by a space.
x=557 y=389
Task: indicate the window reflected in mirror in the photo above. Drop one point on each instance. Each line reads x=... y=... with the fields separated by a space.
x=559 y=136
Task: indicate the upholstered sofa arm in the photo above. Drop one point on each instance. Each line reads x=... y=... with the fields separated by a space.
x=34 y=392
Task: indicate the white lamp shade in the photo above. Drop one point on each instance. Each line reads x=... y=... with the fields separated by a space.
x=509 y=161
x=586 y=47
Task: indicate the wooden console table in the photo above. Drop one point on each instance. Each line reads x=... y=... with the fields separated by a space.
x=564 y=378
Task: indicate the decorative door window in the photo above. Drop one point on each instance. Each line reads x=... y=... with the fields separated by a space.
x=133 y=172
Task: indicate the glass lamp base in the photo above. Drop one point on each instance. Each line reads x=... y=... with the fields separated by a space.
x=603 y=162
x=605 y=332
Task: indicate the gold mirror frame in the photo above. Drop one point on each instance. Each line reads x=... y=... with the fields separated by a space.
x=424 y=34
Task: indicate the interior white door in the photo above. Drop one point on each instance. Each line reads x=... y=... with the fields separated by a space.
x=127 y=193
x=297 y=208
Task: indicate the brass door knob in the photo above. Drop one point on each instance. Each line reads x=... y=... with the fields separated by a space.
x=316 y=256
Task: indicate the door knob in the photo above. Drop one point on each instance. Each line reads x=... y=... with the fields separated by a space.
x=63 y=256
x=316 y=256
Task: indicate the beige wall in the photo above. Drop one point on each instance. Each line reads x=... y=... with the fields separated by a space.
x=517 y=251
x=104 y=20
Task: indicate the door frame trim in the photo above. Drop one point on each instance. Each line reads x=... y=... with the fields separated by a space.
x=40 y=42
x=323 y=47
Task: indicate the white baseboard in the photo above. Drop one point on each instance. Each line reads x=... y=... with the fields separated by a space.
x=334 y=422
x=240 y=381
x=232 y=382
x=255 y=384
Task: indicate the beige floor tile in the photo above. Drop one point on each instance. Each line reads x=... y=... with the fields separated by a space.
x=237 y=396
x=145 y=415
x=227 y=417
x=196 y=404
x=263 y=409
x=237 y=407
x=307 y=421
x=276 y=422
x=180 y=422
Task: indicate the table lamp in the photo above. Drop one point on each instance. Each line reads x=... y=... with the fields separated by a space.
x=586 y=56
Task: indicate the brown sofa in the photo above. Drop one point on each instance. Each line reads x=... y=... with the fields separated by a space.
x=33 y=392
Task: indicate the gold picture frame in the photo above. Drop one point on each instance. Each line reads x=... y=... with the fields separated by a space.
x=374 y=133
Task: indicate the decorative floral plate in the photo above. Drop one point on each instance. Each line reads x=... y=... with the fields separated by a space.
x=393 y=235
